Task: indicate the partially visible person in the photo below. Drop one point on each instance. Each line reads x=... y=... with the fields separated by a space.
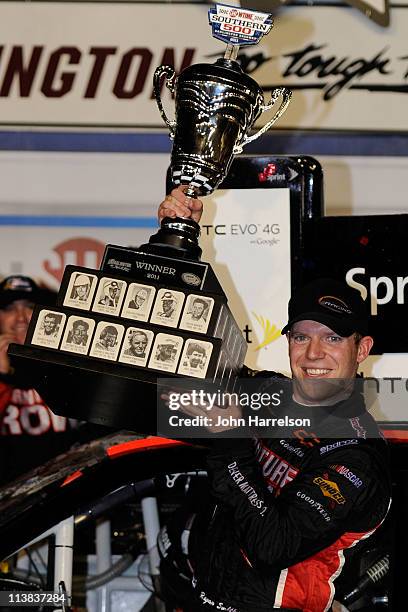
x=197 y=312
x=137 y=345
x=169 y=304
x=111 y=291
x=79 y=333
x=81 y=288
x=139 y=299
x=165 y=352
x=107 y=339
x=195 y=355
x=30 y=433
x=51 y=324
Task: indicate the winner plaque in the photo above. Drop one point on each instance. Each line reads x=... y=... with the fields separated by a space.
x=149 y=313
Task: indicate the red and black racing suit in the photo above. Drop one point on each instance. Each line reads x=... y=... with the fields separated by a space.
x=286 y=510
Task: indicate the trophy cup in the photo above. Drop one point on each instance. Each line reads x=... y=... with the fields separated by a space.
x=216 y=105
x=156 y=311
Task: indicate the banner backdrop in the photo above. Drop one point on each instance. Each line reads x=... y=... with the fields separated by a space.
x=91 y=64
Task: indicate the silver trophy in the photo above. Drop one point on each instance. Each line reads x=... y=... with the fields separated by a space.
x=216 y=105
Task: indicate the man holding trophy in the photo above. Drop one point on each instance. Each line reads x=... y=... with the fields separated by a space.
x=282 y=509
x=285 y=510
x=259 y=545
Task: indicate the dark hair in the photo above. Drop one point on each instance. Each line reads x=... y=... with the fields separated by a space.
x=109 y=329
x=194 y=347
x=201 y=301
x=80 y=322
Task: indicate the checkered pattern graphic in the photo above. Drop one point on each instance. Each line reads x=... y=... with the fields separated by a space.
x=196 y=180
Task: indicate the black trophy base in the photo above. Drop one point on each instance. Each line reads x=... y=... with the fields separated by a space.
x=93 y=392
x=101 y=354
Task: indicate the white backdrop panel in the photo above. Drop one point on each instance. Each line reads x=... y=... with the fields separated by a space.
x=251 y=257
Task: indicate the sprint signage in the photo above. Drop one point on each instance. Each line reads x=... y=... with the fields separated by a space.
x=369 y=253
x=380 y=290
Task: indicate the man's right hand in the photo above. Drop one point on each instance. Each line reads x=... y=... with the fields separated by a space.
x=177 y=204
x=5 y=340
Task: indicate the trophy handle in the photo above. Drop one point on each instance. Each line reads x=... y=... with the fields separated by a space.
x=286 y=95
x=170 y=74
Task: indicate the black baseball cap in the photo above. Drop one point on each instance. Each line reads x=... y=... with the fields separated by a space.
x=18 y=287
x=332 y=303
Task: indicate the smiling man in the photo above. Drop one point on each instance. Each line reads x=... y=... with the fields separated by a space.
x=137 y=345
x=328 y=339
x=51 y=324
x=287 y=506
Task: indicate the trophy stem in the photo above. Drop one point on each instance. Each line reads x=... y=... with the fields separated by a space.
x=231 y=52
